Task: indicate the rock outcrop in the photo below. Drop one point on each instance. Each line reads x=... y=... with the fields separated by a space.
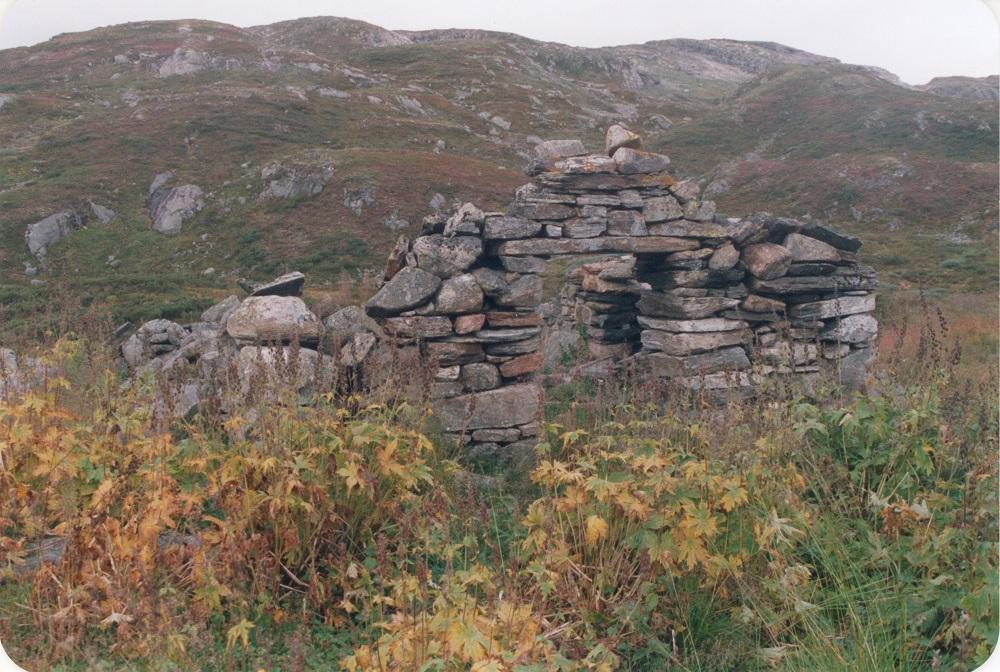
x=41 y=235
x=170 y=208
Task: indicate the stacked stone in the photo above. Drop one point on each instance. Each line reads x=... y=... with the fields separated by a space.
x=475 y=321
x=605 y=305
x=763 y=295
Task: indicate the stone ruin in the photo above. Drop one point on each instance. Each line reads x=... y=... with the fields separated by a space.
x=682 y=294
x=665 y=288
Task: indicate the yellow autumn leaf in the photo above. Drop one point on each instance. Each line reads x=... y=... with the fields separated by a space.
x=597 y=529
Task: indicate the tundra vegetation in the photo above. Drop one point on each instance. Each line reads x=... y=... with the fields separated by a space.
x=794 y=531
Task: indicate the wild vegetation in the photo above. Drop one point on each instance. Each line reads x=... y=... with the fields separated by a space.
x=802 y=530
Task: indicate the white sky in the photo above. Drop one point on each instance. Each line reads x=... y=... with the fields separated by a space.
x=916 y=39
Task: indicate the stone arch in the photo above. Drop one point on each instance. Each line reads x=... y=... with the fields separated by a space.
x=692 y=297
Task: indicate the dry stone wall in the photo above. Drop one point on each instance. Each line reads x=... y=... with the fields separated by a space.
x=676 y=290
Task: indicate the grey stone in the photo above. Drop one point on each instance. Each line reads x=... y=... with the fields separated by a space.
x=543 y=211
x=724 y=258
x=843 y=280
x=766 y=261
x=357 y=349
x=586 y=165
x=672 y=366
x=661 y=209
x=507 y=335
x=289 y=284
x=496 y=435
x=524 y=347
x=554 y=246
x=506 y=407
x=686 y=190
x=590 y=227
x=467 y=220
x=480 y=376
x=788 y=354
x=408 y=289
x=626 y=223
x=804 y=248
x=810 y=268
x=852 y=329
x=692 y=326
x=446 y=257
x=461 y=294
x=526 y=291
x=43 y=234
x=220 y=311
x=262 y=369
x=700 y=212
x=761 y=304
x=452 y=353
x=685 y=228
x=677 y=343
x=343 y=324
x=418 y=327
x=588 y=211
x=632 y=161
x=104 y=215
x=658 y=304
x=176 y=207
x=841 y=241
x=553 y=150
x=510 y=228
x=492 y=281
x=618 y=136
x=523 y=264
x=605 y=200
x=295 y=182
x=629 y=199
x=855 y=368
x=844 y=305
x=274 y=318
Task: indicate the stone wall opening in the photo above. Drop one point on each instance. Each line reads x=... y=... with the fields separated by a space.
x=677 y=291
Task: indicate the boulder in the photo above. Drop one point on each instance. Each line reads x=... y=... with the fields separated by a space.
x=851 y=329
x=175 y=207
x=43 y=234
x=461 y=294
x=356 y=349
x=446 y=257
x=153 y=339
x=767 y=261
x=267 y=368
x=618 y=136
x=855 y=368
x=263 y=319
x=408 y=289
x=803 y=249
x=633 y=161
x=294 y=183
x=289 y=284
x=505 y=407
x=221 y=311
x=550 y=151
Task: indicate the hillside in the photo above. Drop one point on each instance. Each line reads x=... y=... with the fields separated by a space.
x=314 y=143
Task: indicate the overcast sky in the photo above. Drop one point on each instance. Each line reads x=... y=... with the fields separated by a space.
x=916 y=39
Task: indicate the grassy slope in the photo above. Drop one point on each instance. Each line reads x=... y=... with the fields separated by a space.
x=811 y=139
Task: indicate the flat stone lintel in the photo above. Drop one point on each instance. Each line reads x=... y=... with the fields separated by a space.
x=556 y=246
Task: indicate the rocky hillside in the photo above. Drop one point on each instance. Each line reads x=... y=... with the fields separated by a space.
x=146 y=166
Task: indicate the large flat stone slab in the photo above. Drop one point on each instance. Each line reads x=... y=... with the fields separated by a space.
x=556 y=246
x=674 y=343
x=843 y=305
x=509 y=406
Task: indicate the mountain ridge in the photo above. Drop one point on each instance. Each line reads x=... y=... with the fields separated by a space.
x=398 y=125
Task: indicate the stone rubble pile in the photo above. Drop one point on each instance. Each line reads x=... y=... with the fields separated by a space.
x=689 y=295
